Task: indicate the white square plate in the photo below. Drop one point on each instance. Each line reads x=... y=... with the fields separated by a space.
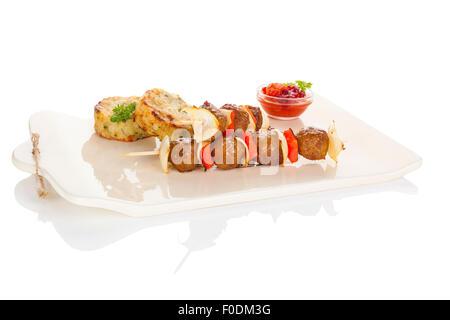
x=88 y=170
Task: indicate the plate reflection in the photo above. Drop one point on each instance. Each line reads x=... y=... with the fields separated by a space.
x=86 y=228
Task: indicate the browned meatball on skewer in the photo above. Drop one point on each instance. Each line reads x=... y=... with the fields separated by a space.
x=257 y=115
x=241 y=117
x=312 y=143
x=228 y=153
x=269 y=148
x=182 y=154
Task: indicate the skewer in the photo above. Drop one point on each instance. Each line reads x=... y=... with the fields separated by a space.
x=187 y=122
x=141 y=153
x=335 y=146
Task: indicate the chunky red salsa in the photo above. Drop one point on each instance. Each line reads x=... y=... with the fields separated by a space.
x=285 y=100
x=283 y=91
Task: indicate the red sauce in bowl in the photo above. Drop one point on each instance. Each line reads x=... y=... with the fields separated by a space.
x=283 y=103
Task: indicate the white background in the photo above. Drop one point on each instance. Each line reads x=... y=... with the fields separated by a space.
x=387 y=62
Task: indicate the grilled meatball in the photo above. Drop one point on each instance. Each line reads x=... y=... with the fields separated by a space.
x=182 y=154
x=269 y=147
x=312 y=143
x=257 y=115
x=216 y=112
x=241 y=117
x=228 y=153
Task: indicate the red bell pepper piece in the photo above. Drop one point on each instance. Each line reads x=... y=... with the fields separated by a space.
x=206 y=156
x=231 y=126
x=229 y=132
x=251 y=145
x=291 y=140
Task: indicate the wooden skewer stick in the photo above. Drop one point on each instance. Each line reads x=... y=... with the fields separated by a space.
x=141 y=153
x=185 y=122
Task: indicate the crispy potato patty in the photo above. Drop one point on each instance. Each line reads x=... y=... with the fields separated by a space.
x=160 y=113
x=127 y=130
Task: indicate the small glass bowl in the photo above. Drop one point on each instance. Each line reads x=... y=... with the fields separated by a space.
x=283 y=108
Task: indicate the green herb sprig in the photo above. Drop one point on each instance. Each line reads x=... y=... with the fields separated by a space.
x=301 y=85
x=123 y=112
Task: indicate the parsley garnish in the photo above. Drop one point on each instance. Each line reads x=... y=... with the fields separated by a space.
x=301 y=85
x=123 y=112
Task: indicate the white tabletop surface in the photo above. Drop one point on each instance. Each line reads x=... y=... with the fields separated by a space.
x=386 y=63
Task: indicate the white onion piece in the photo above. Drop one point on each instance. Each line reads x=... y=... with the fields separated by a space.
x=164 y=151
x=284 y=145
x=204 y=123
x=335 y=144
x=247 y=152
x=265 y=121
x=227 y=113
